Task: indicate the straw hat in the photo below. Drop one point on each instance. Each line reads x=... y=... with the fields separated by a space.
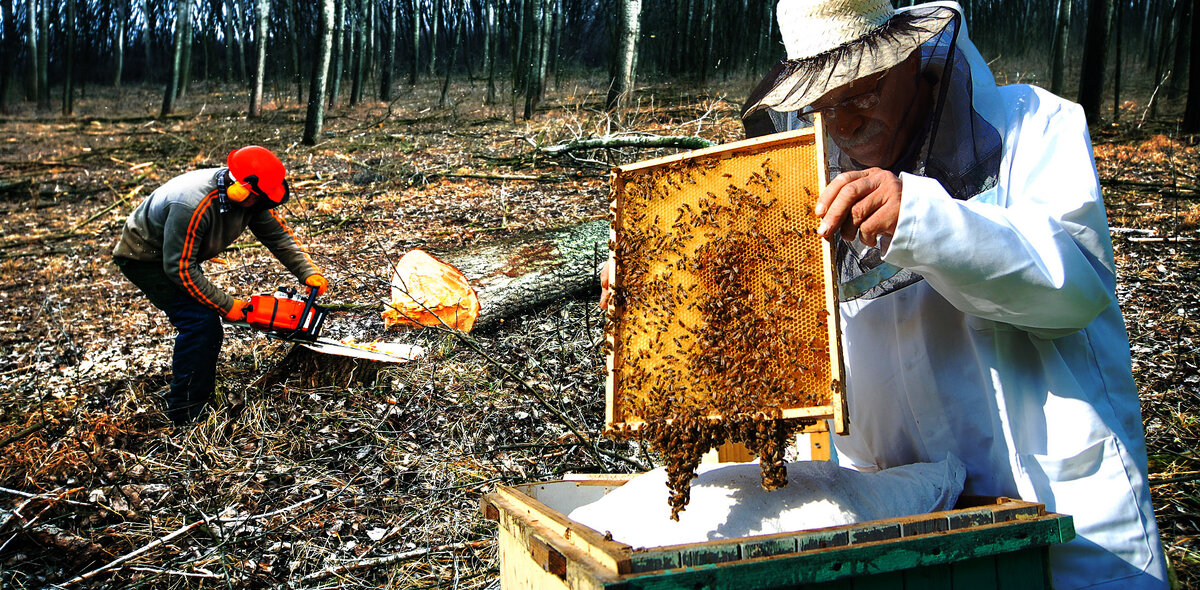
x=831 y=43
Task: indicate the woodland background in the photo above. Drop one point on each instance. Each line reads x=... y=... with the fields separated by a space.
x=440 y=124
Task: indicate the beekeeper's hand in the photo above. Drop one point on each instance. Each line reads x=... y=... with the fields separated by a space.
x=863 y=203
x=605 y=282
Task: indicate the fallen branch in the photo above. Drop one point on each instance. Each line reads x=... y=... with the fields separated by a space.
x=390 y=559
x=640 y=141
x=131 y=555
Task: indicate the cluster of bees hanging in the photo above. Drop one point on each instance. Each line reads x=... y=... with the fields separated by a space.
x=719 y=323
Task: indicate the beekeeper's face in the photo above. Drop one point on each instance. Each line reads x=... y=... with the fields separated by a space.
x=873 y=119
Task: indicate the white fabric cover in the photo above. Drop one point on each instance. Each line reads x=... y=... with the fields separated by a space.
x=1012 y=353
x=728 y=501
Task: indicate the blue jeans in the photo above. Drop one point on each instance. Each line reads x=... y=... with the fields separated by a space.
x=197 y=341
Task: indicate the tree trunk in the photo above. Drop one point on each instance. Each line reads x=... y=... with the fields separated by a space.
x=1095 y=57
x=31 y=87
x=263 y=11
x=68 y=100
x=168 y=105
x=457 y=24
x=1062 y=34
x=435 y=20
x=44 y=56
x=294 y=43
x=1191 y=115
x=1117 y=65
x=623 y=73
x=389 y=53
x=229 y=45
x=119 y=42
x=185 y=61
x=524 y=272
x=9 y=51
x=315 y=120
x=148 y=43
x=416 y=42
x=492 y=40
x=360 y=50
x=339 y=49
x=1182 y=50
x=238 y=37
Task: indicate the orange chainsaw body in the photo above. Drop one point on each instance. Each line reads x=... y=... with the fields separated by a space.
x=286 y=314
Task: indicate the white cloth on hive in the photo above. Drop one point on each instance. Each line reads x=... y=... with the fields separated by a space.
x=728 y=501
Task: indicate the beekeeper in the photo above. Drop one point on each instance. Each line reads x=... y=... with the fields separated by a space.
x=193 y=218
x=976 y=274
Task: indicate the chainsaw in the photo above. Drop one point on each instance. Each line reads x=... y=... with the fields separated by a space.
x=291 y=317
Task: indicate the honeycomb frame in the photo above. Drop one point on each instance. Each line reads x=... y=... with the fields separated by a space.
x=708 y=249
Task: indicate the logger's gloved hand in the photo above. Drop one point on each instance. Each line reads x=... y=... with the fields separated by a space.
x=238 y=312
x=319 y=282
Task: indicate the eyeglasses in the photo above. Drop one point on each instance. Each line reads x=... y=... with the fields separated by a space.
x=859 y=102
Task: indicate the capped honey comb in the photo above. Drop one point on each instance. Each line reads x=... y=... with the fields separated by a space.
x=724 y=320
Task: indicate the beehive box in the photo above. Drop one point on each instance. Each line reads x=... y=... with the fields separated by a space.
x=724 y=298
x=985 y=543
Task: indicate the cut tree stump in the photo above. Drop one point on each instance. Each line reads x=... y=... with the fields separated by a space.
x=511 y=276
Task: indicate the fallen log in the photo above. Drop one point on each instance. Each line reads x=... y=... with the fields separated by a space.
x=521 y=273
x=510 y=276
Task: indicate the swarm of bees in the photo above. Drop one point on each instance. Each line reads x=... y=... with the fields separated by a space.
x=720 y=321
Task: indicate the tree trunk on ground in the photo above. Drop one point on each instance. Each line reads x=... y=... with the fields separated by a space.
x=119 y=42
x=31 y=39
x=315 y=119
x=168 y=105
x=1095 y=58
x=511 y=277
x=68 y=100
x=1062 y=34
x=389 y=53
x=623 y=73
x=260 y=58
x=521 y=273
x=1191 y=115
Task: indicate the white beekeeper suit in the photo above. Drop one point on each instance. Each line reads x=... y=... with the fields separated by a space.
x=988 y=327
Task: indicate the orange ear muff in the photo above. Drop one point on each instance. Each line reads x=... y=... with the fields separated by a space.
x=237 y=192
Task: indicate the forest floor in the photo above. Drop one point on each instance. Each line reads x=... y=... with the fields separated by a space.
x=281 y=484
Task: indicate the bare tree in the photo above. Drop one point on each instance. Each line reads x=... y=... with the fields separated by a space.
x=335 y=74
x=314 y=122
x=43 y=69
x=1191 y=114
x=416 y=42
x=263 y=14
x=185 y=60
x=1062 y=33
x=360 y=49
x=1095 y=57
x=119 y=41
x=621 y=83
x=457 y=24
x=389 y=52
x=168 y=105
x=68 y=100
x=31 y=39
x=294 y=45
x=8 y=49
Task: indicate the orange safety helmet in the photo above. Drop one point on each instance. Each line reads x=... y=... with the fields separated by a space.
x=255 y=170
